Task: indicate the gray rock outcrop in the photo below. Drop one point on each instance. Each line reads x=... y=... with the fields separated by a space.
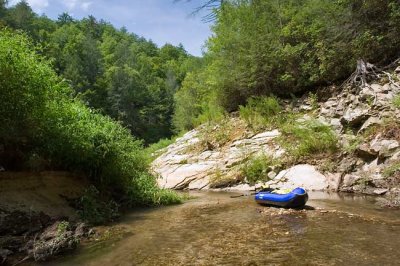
x=352 y=113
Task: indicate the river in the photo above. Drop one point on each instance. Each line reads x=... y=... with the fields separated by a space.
x=215 y=229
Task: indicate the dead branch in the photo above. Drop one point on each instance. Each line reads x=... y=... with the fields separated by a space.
x=366 y=71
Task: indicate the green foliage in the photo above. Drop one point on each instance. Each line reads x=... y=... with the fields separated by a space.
x=282 y=47
x=391 y=170
x=62 y=227
x=110 y=70
x=308 y=138
x=43 y=120
x=261 y=113
x=143 y=191
x=96 y=210
x=257 y=167
x=396 y=101
x=154 y=149
x=352 y=143
x=195 y=103
x=313 y=100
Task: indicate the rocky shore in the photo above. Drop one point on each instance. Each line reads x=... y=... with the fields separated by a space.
x=36 y=218
x=364 y=120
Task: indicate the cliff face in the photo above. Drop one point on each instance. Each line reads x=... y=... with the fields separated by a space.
x=364 y=120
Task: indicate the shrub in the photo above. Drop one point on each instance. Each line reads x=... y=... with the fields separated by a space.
x=261 y=112
x=43 y=119
x=96 y=210
x=154 y=149
x=392 y=169
x=307 y=138
x=396 y=101
x=257 y=168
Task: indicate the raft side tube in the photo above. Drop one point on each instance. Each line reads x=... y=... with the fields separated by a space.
x=295 y=199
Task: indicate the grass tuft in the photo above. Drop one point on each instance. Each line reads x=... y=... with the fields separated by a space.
x=308 y=138
x=257 y=167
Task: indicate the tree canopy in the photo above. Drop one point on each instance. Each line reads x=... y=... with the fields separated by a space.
x=285 y=47
x=118 y=73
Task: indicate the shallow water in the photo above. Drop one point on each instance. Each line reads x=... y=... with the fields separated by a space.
x=214 y=229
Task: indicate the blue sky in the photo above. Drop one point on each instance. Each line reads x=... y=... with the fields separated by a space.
x=162 y=21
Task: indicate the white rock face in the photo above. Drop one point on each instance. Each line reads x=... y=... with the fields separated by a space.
x=305 y=176
x=179 y=168
x=384 y=147
x=355 y=111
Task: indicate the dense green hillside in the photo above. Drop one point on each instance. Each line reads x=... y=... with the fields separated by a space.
x=116 y=72
x=62 y=95
x=45 y=128
x=286 y=47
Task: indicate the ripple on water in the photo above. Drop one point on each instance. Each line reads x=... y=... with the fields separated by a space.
x=216 y=230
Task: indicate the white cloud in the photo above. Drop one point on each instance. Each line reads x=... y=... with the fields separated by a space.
x=70 y=4
x=76 y=4
x=86 y=5
x=37 y=5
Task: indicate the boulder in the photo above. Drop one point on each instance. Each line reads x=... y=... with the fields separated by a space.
x=384 y=147
x=333 y=181
x=365 y=152
x=303 y=175
x=350 y=179
x=367 y=92
x=377 y=88
x=181 y=168
x=4 y=253
x=354 y=117
x=241 y=187
x=182 y=176
x=267 y=135
x=335 y=123
x=347 y=165
x=201 y=183
x=380 y=191
x=370 y=122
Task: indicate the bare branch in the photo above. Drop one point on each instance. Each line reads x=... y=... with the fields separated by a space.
x=210 y=5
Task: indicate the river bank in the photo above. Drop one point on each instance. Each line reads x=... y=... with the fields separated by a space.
x=338 y=139
x=37 y=217
x=214 y=229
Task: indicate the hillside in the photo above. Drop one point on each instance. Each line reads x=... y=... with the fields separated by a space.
x=348 y=141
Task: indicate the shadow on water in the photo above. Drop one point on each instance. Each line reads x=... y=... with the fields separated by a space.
x=214 y=229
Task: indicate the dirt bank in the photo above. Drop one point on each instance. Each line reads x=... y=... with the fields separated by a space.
x=36 y=217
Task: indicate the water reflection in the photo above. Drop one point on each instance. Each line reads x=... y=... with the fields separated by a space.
x=217 y=230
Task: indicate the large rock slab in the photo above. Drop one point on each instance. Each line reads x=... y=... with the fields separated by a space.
x=384 y=147
x=183 y=175
x=305 y=176
x=182 y=167
x=354 y=117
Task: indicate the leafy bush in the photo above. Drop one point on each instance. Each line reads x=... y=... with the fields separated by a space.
x=65 y=132
x=396 y=101
x=217 y=134
x=311 y=137
x=257 y=168
x=392 y=169
x=261 y=112
x=96 y=210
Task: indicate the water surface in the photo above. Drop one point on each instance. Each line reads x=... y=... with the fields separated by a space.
x=214 y=229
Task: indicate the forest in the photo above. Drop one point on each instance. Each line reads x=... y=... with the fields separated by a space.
x=81 y=95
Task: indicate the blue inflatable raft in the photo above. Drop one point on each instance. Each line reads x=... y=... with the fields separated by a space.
x=296 y=198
